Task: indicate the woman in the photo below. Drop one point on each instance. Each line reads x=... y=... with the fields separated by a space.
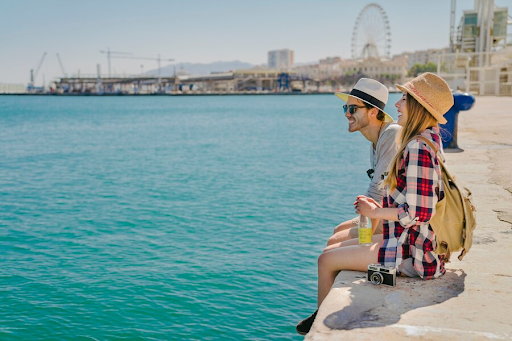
x=413 y=187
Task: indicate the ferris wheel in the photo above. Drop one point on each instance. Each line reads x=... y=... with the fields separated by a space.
x=371 y=37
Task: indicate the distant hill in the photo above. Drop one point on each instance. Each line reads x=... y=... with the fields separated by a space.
x=200 y=69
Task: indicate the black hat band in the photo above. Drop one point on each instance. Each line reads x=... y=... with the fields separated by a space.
x=367 y=98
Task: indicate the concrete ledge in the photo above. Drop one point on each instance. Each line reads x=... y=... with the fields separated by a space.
x=364 y=305
x=473 y=301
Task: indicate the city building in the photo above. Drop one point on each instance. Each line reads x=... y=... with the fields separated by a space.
x=423 y=56
x=12 y=88
x=480 y=60
x=344 y=73
x=280 y=59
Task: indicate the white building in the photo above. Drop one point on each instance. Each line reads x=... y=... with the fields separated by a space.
x=280 y=59
x=481 y=58
x=387 y=71
x=423 y=56
x=12 y=88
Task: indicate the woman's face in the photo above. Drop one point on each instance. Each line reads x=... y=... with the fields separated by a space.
x=401 y=107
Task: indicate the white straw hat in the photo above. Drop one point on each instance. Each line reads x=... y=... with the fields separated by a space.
x=369 y=91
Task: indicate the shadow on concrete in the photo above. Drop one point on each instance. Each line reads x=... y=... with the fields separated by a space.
x=366 y=305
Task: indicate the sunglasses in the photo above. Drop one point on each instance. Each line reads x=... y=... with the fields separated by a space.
x=352 y=108
x=370 y=173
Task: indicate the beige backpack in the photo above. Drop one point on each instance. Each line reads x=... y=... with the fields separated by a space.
x=454 y=219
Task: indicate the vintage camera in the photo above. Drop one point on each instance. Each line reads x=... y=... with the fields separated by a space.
x=379 y=274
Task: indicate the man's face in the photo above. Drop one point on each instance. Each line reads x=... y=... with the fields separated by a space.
x=359 y=119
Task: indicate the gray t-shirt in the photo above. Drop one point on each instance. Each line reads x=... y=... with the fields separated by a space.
x=380 y=158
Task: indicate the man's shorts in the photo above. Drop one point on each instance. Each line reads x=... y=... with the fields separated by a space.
x=354 y=231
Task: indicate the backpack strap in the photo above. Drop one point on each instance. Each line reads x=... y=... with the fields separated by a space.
x=427 y=141
x=431 y=145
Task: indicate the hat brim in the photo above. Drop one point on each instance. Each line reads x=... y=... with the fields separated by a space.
x=437 y=115
x=344 y=96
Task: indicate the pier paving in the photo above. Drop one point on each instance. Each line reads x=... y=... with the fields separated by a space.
x=473 y=301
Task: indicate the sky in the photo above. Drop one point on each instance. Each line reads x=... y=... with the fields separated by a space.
x=200 y=31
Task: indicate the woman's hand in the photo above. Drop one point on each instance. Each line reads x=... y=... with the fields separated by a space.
x=373 y=201
x=366 y=206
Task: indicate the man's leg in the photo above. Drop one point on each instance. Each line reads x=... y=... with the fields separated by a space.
x=344 y=231
x=349 y=230
x=346 y=225
x=376 y=238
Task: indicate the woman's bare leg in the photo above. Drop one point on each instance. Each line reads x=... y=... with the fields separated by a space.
x=351 y=257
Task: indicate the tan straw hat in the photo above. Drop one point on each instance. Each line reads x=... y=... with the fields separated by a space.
x=432 y=92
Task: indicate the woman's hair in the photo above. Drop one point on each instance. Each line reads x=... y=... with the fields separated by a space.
x=380 y=115
x=418 y=119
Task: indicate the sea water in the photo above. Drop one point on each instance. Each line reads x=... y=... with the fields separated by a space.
x=169 y=218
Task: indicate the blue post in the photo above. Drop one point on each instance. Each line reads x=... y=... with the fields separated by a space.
x=462 y=101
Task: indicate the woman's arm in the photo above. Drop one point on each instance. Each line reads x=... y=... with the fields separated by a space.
x=420 y=196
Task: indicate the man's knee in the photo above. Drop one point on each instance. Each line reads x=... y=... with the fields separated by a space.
x=336 y=238
x=344 y=226
x=344 y=235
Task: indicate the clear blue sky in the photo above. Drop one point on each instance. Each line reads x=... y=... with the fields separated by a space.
x=200 y=31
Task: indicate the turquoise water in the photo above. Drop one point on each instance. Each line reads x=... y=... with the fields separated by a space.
x=169 y=218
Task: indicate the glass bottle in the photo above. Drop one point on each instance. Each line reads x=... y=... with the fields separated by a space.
x=365 y=232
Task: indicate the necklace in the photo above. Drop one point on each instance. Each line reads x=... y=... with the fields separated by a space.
x=378 y=135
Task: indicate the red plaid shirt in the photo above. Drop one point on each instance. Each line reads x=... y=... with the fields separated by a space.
x=418 y=189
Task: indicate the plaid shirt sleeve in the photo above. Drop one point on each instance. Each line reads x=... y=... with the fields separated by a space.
x=421 y=177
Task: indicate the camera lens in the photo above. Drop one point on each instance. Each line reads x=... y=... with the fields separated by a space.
x=376 y=278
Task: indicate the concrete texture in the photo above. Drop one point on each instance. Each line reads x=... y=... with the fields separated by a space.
x=473 y=301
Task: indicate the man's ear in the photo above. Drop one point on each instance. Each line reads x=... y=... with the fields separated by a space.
x=373 y=112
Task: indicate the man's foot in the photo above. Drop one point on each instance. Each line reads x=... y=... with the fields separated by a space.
x=304 y=326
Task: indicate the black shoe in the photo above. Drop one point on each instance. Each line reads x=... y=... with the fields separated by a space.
x=304 y=326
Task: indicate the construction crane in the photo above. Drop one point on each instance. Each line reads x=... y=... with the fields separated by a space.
x=33 y=75
x=109 y=53
x=61 y=66
x=159 y=60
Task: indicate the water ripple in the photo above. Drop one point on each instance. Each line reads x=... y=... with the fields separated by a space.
x=169 y=218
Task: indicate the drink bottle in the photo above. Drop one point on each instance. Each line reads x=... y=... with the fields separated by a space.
x=365 y=232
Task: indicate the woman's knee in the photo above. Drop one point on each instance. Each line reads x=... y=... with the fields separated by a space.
x=327 y=260
x=322 y=260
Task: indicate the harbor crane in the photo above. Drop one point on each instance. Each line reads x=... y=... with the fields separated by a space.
x=109 y=53
x=33 y=75
x=158 y=59
x=61 y=67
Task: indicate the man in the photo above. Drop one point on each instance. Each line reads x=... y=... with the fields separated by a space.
x=364 y=110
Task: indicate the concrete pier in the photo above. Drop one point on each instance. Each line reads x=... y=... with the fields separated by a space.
x=473 y=301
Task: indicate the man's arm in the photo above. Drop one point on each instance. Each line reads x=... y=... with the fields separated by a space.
x=387 y=147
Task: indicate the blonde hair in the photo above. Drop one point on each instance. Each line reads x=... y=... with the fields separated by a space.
x=418 y=119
